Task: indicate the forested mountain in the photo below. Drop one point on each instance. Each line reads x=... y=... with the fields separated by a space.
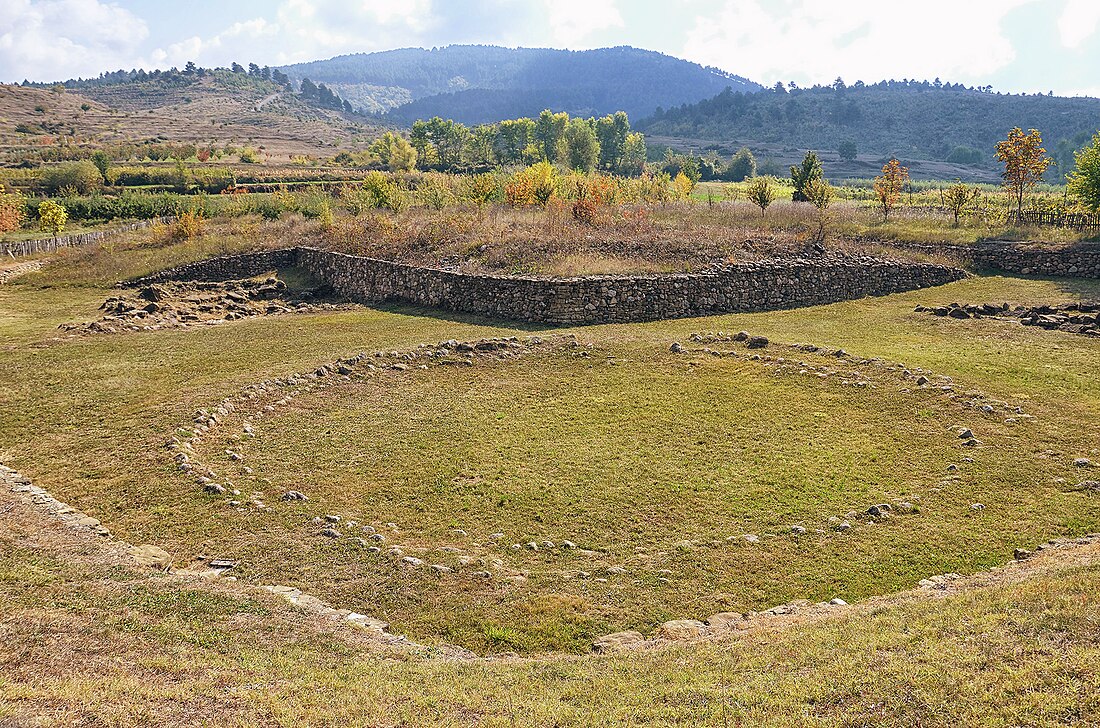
x=480 y=84
x=912 y=120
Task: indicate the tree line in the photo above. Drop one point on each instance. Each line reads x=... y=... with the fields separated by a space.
x=925 y=120
x=604 y=144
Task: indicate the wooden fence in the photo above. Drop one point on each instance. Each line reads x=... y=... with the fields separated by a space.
x=1075 y=220
x=19 y=248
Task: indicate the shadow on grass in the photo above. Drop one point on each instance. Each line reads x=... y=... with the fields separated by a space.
x=470 y=319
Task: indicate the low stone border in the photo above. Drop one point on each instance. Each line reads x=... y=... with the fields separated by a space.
x=1073 y=318
x=12 y=272
x=156 y=558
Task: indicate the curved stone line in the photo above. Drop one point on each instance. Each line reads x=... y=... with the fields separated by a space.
x=153 y=557
x=342 y=370
x=268 y=396
x=715 y=627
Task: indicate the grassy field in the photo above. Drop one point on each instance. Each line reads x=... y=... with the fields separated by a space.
x=647 y=460
x=87 y=642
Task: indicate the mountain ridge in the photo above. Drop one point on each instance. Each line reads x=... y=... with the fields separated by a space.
x=407 y=83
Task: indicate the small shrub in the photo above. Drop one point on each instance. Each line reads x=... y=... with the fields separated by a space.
x=189 y=225
x=326 y=217
x=268 y=208
x=383 y=193
x=481 y=189
x=761 y=192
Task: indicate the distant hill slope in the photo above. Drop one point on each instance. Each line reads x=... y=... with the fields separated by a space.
x=219 y=109
x=917 y=121
x=479 y=84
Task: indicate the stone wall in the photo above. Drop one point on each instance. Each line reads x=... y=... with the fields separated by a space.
x=225 y=268
x=759 y=286
x=765 y=285
x=1074 y=261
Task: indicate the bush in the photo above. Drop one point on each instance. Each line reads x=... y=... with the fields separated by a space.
x=382 y=192
x=80 y=178
x=534 y=185
x=188 y=225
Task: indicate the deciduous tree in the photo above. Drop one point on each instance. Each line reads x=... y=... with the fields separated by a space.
x=394 y=151
x=1025 y=161
x=1084 y=182
x=12 y=207
x=958 y=197
x=889 y=186
x=742 y=166
x=819 y=193
x=762 y=192
x=52 y=217
x=582 y=145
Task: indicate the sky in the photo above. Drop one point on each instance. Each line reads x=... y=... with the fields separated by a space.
x=1014 y=45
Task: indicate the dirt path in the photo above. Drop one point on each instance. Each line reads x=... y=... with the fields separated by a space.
x=265 y=101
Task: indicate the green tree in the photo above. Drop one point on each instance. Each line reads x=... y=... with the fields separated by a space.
x=611 y=132
x=582 y=146
x=847 y=151
x=438 y=142
x=762 y=193
x=634 y=155
x=1084 y=181
x=480 y=146
x=394 y=151
x=958 y=197
x=742 y=166
x=550 y=134
x=516 y=142
x=102 y=162
x=80 y=177
x=801 y=176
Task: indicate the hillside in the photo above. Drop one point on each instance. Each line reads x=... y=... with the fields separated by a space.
x=914 y=121
x=39 y=123
x=479 y=84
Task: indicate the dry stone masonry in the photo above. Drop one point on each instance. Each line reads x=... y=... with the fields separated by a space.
x=170 y=305
x=759 y=286
x=1076 y=261
x=1073 y=318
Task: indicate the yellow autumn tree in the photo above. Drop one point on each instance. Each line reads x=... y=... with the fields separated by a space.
x=889 y=186
x=1025 y=161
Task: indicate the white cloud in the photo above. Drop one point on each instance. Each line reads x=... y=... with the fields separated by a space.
x=62 y=38
x=856 y=39
x=572 y=21
x=1078 y=22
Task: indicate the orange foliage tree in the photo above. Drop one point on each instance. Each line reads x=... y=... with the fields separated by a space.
x=889 y=186
x=12 y=207
x=1025 y=162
